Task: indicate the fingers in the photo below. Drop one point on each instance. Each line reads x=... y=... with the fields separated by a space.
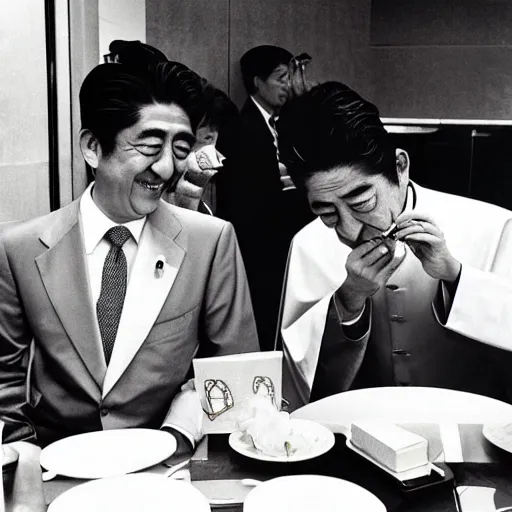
x=425 y=238
x=185 y=188
x=406 y=217
x=418 y=226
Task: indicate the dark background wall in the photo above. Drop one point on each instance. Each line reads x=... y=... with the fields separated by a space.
x=442 y=58
x=413 y=58
x=433 y=59
x=211 y=35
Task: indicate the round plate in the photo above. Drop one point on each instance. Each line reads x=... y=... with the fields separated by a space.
x=404 y=405
x=108 y=452
x=499 y=434
x=322 y=440
x=301 y=493
x=132 y=493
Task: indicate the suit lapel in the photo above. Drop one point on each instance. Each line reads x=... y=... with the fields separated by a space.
x=63 y=272
x=147 y=290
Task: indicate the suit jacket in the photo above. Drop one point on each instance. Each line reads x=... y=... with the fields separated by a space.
x=408 y=342
x=250 y=195
x=52 y=379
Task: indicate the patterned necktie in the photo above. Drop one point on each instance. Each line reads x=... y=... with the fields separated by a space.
x=113 y=288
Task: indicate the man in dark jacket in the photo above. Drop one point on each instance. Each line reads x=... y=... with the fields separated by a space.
x=256 y=194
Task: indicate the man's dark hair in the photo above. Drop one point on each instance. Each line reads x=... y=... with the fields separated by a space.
x=260 y=62
x=135 y=53
x=222 y=115
x=330 y=126
x=112 y=96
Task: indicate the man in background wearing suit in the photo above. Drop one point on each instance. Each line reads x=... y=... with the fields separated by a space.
x=105 y=302
x=429 y=306
x=255 y=193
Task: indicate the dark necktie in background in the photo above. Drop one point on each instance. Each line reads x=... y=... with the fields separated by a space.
x=113 y=288
x=283 y=171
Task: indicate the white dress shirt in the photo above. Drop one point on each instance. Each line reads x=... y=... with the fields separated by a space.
x=94 y=226
x=267 y=117
x=285 y=178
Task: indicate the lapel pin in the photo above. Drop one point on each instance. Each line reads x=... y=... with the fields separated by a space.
x=159 y=267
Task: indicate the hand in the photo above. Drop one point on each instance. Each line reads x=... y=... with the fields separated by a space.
x=369 y=266
x=192 y=184
x=420 y=232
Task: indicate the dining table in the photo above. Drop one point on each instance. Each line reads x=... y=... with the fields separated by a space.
x=478 y=466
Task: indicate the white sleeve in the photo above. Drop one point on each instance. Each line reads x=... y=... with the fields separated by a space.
x=482 y=305
x=186 y=414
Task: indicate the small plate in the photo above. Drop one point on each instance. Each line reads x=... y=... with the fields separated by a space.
x=322 y=440
x=108 y=453
x=132 y=493
x=304 y=493
x=499 y=434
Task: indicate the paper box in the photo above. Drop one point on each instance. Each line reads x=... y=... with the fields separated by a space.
x=225 y=383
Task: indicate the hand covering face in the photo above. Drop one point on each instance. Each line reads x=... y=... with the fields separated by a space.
x=201 y=166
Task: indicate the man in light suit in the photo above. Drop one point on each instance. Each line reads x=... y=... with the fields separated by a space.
x=430 y=305
x=105 y=302
x=254 y=191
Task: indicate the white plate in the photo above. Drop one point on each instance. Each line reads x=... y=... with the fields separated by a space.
x=132 y=493
x=301 y=493
x=404 y=405
x=499 y=434
x=108 y=452
x=322 y=440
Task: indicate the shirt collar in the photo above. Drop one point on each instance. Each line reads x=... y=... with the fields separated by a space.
x=95 y=223
x=264 y=113
x=410 y=201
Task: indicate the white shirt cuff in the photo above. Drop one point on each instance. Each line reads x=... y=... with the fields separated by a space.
x=348 y=322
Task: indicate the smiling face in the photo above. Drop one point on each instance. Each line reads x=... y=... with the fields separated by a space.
x=130 y=180
x=272 y=93
x=359 y=206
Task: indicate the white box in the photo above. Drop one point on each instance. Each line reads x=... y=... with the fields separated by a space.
x=390 y=445
x=226 y=382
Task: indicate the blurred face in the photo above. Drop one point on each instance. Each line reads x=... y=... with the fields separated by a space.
x=273 y=92
x=205 y=135
x=358 y=206
x=147 y=155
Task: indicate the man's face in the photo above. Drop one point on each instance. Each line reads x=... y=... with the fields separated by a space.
x=130 y=181
x=274 y=90
x=358 y=206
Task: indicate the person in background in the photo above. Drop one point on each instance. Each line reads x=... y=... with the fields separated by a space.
x=215 y=149
x=393 y=284
x=105 y=302
x=256 y=193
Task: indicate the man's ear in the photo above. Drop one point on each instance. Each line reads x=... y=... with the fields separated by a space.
x=402 y=166
x=257 y=83
x=90 y=148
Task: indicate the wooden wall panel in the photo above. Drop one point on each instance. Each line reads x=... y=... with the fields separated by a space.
x=443 y=82
x=334 y=32
x=193 y=32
